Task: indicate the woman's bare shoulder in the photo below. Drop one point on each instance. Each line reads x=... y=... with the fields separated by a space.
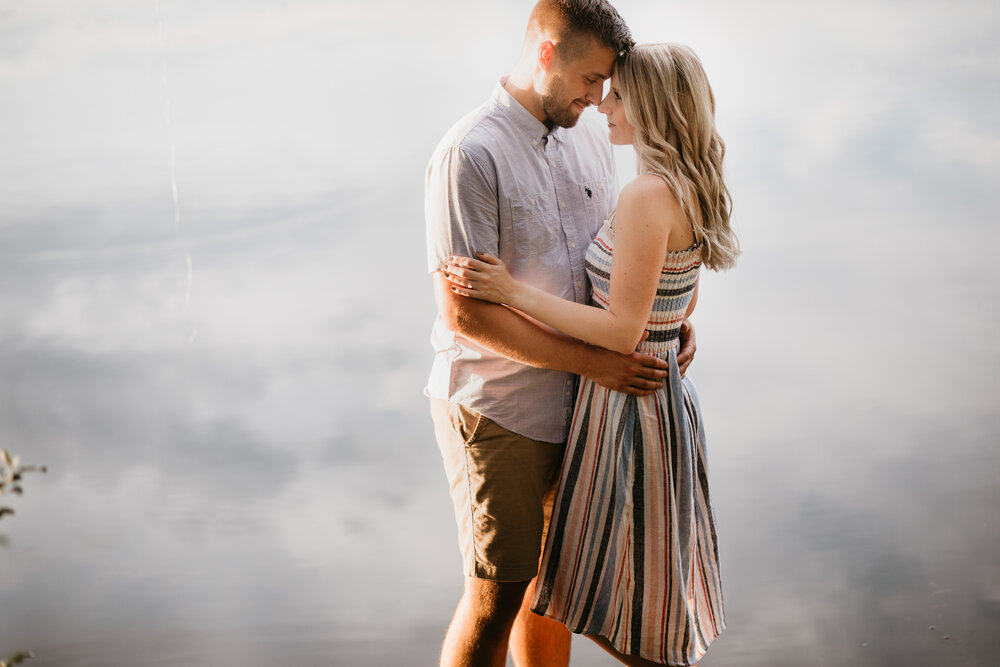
x=649 y=195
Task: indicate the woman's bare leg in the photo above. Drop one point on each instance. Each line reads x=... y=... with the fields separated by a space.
x=630 y=660
x=537 y=641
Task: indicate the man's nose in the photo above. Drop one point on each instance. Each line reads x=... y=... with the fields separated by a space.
x=594 y=92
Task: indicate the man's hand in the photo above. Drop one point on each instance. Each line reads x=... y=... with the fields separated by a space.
x=688 y=346
x=637 y=374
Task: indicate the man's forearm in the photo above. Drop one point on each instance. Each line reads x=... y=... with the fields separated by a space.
x=509 y=334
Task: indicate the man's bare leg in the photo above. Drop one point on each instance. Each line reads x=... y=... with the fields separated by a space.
x=480 y=629
x=536 y=641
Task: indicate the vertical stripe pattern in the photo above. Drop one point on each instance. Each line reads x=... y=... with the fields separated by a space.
x=631 y=554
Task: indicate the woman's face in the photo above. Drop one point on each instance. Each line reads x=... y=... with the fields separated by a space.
x=620 y=132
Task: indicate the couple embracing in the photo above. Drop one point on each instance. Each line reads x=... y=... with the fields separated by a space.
x=571 y=439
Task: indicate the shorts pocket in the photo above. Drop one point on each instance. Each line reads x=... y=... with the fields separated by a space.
x=468 y=423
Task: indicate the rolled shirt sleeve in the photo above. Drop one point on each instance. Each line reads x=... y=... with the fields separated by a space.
x=460 y=207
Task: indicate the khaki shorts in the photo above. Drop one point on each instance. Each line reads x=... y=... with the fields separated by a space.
x=502 y=485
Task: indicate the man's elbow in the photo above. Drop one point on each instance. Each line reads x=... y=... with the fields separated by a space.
x=460 y=314
x=453 y=310
x=457 y=320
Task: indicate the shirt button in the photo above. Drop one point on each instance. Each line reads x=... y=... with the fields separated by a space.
x=578 y=283
x=553 y=163
x=563 y=204
x=572 y=244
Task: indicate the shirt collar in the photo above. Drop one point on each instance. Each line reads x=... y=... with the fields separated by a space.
x=522 y=118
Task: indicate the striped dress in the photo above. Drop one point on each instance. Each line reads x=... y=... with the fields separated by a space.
x=631 y=551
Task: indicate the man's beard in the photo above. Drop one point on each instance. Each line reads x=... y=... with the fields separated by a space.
x=560 y=112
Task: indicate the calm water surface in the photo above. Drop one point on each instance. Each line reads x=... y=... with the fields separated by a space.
x=228 y=394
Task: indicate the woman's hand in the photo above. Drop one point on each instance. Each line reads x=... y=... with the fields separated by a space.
x=485 y=278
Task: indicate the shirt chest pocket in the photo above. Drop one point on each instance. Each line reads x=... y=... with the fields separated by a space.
x=596 y=198
x=534 y=223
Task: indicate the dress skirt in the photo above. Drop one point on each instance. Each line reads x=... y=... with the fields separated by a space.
x=631 y=552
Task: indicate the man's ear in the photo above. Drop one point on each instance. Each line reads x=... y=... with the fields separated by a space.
x=546 y=51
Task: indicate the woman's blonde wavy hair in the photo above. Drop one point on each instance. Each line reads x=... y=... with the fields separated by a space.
x=670 y=104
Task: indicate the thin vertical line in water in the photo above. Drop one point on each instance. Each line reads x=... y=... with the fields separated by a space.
x=173 y=169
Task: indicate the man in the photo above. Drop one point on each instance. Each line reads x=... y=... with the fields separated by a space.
x=525 y=179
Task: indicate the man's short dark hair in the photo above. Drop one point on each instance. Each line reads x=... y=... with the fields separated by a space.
x=571 y=19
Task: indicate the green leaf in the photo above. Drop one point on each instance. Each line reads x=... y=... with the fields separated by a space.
x=17 y=658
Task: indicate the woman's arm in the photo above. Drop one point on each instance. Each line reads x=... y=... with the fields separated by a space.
x=647 y=211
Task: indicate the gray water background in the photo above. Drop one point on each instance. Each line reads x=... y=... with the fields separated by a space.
x=241 y=467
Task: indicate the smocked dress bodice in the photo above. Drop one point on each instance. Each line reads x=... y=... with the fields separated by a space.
x=673 y=293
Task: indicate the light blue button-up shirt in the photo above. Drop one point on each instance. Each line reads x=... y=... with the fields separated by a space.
x=501 y=182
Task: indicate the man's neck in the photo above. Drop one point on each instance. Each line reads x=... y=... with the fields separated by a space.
x=522 y=89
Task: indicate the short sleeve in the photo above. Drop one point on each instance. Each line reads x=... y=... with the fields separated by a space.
x=460 y=207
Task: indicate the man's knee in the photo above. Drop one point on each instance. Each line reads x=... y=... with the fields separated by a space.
x=494 y=601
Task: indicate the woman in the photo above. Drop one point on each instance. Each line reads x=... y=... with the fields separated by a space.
x=631 y=557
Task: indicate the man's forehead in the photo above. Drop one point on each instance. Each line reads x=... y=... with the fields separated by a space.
x=592 y=56
x=597 y=61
